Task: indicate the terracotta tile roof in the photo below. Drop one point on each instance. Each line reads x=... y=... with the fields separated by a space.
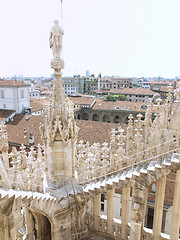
x=16 y=128
x=166 y=89
x=120 y=105
x=114 y=78
x=12 y=83
x=37 y=103
x=89 y=130
x=160 y=82
x=92 y=131
x=133 y=91
x=5 y=113
x=46 y=92
x=141 y=91
x=80 y=100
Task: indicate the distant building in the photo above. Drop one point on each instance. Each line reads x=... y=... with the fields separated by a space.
x=73 y=84
x=144 y=83
x=156 y=85
x=132 y=94
x=115 y=83
x=92 y=109
x=91 y=84
x=34 y=92
x=87 y=73
x=14 y=95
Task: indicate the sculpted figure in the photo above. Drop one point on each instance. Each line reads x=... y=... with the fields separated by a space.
x=55 y=39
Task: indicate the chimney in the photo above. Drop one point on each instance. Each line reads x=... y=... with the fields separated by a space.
x=27 y=116
x=31 y=139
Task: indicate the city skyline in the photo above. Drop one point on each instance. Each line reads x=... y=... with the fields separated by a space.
x=128 y=39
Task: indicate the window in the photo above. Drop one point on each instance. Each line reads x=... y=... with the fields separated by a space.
x=122 y=108
x=22 y=94
x=144 y=106
x=153 y=188
x=102 y=207
x=102 y=197
x=2 y=93
x=102 y=202
x=4 y=105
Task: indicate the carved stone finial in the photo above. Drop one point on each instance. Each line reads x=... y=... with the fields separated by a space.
x=130 y=122
x=177 y=93
x=139 y=122
x=3 y=138
x=158 y=106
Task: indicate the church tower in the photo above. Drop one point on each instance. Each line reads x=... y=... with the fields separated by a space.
x=58 y=129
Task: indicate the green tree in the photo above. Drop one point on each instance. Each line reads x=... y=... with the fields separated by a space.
x=111 y=97
x=122 y=97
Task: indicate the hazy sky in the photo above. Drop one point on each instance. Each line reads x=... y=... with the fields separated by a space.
x=115 y=37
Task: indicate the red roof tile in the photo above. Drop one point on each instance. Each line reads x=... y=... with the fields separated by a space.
x=12 y=83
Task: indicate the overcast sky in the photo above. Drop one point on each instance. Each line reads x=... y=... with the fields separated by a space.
x=115 y=37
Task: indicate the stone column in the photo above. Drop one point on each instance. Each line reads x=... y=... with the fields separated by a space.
x=175 y=221
x=4 y=228
x=96 y=210
x=29 y=224
x=100 y=117
x=13 y=234
x=138 y=209
x=158 y=211
x=110 y=210
x=125 y=211
x=56 y=234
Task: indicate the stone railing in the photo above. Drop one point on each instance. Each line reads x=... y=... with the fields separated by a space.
x=148 y=234
x=92 y=168
x=101 y=224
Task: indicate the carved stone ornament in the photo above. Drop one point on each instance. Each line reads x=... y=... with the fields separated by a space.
x=57 y=63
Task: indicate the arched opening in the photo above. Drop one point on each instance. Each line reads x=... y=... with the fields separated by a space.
x=4 y=228
x=78 y=116
x=38 y=225
x=95 y=117
x=85 y=116
x=117 y=119
x=106 y=118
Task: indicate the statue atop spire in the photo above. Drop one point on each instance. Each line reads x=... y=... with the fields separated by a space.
x=55 y=39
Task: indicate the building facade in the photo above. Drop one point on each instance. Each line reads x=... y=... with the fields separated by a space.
x=34 y=92
x=14 y=95
x=115 y=83
x=131 y=94
x=73 y=84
